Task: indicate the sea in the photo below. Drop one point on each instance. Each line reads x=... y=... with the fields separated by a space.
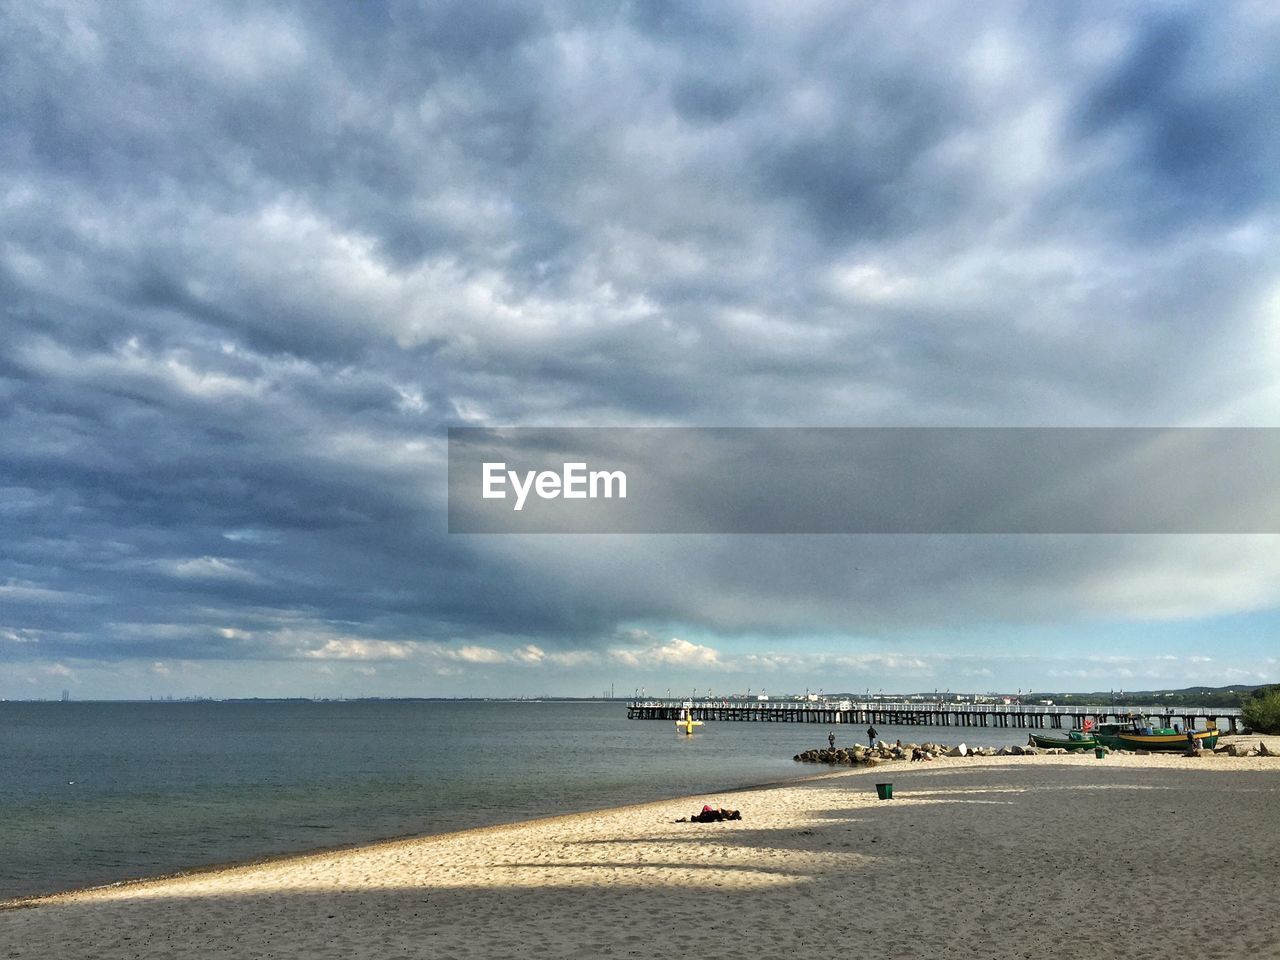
x=96 y=793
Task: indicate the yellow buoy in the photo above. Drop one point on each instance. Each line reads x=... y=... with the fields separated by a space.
x=688 y=723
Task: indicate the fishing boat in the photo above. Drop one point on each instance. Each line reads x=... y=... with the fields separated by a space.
x=1138 y=733
x=1166 y=738
x=1108 y=734
x=1074 y=740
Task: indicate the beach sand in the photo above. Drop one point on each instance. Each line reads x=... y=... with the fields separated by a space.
x=1047 y=856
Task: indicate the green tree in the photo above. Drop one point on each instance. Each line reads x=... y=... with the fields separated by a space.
x=1262 y=710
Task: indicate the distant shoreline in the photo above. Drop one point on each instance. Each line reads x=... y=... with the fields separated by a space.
x=1229 y=695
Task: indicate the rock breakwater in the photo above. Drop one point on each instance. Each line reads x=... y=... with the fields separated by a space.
x=858 y=755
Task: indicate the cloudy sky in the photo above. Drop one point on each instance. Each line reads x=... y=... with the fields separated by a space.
x=256 y=258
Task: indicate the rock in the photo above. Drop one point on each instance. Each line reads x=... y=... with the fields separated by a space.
x=1238 y=749
x=1202 y=752
x=1264 y=750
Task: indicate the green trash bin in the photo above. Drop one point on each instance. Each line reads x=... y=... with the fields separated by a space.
x=884 y=791
x=1099 y=752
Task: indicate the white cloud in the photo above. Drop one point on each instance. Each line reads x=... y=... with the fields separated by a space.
x=208 y=568
x=475 y=654
x=18 y=636
x=174 y=369
x=675 y=652
x=530 y=653
x=1185 y=578
x=574 y=658
x=251 y=535
x=355 y=649
x=24 y=591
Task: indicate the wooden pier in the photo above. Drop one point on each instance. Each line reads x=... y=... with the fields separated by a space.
x=912 y=713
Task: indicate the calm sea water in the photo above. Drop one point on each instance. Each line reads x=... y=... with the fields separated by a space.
x=92 y=793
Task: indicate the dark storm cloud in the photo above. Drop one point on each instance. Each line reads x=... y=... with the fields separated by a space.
x=1204 y=144
x=256 y=258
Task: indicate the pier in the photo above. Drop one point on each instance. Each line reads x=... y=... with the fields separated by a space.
x=915 y=713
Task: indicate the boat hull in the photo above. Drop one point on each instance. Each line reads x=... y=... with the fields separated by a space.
x=1172 y=742
x=1083 y=743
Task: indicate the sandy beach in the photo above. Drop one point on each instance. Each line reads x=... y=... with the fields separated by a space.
x=1047 y=856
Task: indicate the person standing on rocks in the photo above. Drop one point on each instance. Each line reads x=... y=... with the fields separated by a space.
x=871 y=736
x=831 y=739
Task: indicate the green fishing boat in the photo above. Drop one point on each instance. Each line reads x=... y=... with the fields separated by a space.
x=1074 y=740
x=1108 y=734
x=1137 y=733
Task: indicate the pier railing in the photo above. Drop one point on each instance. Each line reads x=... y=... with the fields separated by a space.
x=939 y=713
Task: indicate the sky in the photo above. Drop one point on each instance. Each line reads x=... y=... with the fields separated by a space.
x=257 y=258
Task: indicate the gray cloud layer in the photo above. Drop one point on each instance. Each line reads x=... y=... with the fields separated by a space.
x=256 y=257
